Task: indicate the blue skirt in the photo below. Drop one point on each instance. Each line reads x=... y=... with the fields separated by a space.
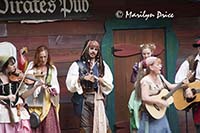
x=153 y=125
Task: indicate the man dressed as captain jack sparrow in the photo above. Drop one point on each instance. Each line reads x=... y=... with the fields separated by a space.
x=91 y=78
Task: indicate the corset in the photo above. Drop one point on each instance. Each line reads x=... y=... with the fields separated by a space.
x=5 y=91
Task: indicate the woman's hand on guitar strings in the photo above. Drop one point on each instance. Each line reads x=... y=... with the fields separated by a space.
x=163 y=103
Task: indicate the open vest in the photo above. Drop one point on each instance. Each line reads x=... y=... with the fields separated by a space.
x=192 y=66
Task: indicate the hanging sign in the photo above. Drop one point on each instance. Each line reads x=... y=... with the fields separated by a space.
x=44 y=9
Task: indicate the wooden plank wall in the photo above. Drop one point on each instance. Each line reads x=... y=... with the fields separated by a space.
x=65 y=41
x=123 y=65
x=186 y=29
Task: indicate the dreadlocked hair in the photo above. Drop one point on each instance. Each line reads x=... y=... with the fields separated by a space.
x=86 y=58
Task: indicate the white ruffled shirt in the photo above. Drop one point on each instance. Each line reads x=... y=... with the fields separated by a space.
x=73 y=75
x=184 y=69
x=100 y=119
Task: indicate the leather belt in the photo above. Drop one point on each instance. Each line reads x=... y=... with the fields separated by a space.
x=89 y=90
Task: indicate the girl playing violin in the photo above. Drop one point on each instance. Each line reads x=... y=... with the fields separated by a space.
x=14 y=118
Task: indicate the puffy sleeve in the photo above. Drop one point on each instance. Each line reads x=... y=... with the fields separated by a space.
x=54 y=80
x=72 y=79
x=108 y=79
x=182 y=72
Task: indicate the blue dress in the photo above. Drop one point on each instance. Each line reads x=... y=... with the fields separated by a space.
x=153 y=125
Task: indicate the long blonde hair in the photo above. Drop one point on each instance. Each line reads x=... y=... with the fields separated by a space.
x=141 y=73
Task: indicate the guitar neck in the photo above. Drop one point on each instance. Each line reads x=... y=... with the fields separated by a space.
x=172 y=91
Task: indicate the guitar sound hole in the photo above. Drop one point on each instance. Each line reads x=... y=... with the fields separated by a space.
x=190 y=99
x=156 y=107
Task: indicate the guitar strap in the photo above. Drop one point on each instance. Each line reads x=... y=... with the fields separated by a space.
x=164 y=84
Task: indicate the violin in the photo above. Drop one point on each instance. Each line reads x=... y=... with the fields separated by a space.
x=18 y=76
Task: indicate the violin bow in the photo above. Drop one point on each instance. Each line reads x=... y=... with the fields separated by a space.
x=24 y=76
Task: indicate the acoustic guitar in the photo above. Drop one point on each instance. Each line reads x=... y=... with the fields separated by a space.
x=154 y=110
x=181 y=102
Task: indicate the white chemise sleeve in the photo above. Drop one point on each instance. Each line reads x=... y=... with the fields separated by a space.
x=182 y=72
x=108 y=78
x=72 y=79
x=54 y=80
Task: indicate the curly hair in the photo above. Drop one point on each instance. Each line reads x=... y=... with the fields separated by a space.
x=151 y=46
